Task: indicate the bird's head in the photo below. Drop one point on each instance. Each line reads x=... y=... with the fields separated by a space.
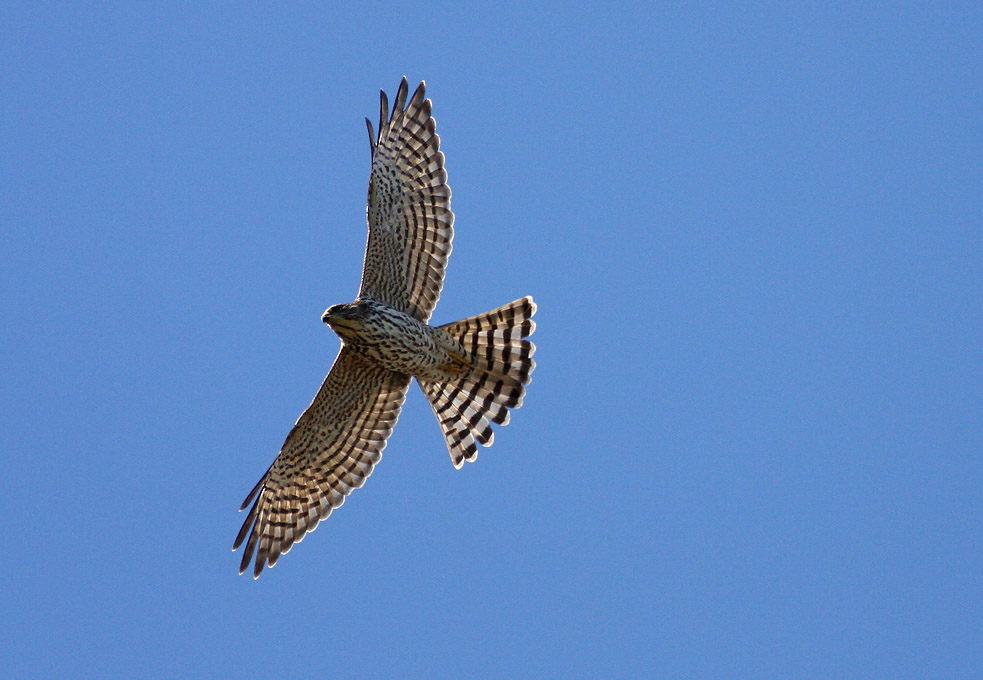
x=343 y=319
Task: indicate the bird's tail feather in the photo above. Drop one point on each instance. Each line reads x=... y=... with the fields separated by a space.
x=501 y=365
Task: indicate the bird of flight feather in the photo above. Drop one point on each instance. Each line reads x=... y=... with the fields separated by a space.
x=472 y=371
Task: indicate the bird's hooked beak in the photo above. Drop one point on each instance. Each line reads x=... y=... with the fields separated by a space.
x=333 y=313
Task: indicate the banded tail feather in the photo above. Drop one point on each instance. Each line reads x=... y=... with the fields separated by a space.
x=501 y=365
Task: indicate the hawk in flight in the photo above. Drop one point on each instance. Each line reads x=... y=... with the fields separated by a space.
x=471 y=371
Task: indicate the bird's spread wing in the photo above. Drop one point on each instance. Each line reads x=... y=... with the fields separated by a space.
x=409 y=213
x=330 y=451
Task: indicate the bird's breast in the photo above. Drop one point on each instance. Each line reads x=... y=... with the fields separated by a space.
x=398 y=342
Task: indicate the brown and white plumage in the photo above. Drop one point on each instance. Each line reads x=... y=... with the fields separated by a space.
x=411 y=225
x=497 y=343
x=328 y=453
x=472 y=371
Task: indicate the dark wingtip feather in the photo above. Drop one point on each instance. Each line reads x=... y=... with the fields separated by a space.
x=372 y=137
x=248 y=528
x=400 y=98
x=244 y=530
x=252 y=494
x=419 y=95
x=383 y=110
x=247 y=554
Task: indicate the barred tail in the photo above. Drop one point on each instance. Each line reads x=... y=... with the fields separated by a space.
x=501 y=365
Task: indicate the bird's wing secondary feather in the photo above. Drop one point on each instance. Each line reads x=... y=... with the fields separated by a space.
x=330 y=451
x=411 y=225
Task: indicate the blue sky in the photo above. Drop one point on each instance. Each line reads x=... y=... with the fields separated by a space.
x=752 y=445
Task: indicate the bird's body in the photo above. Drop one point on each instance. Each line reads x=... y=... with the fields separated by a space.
x=397 y=341
x=472 y=371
